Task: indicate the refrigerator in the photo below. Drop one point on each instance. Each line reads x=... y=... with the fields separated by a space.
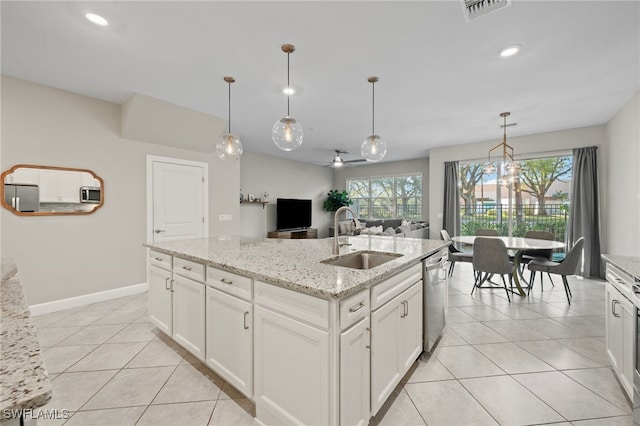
x=23 y=198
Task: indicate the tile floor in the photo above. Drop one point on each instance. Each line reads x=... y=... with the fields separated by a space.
x=537 y=360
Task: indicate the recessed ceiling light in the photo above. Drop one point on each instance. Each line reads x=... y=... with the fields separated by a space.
x=288 y=90
x=96 y=19
x=509 y=51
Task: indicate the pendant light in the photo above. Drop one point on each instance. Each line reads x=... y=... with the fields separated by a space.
x=373 y=148
x=287 y=132
x=229 y=147
x=511 y=167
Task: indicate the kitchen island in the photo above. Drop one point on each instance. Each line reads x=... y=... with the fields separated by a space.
x=307 y=341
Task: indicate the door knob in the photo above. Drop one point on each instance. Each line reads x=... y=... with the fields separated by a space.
x=157 y=231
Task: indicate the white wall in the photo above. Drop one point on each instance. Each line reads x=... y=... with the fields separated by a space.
x=65 y=256
x=523 y=146
x=622 y=195
x=420 y=165
x=281 y=178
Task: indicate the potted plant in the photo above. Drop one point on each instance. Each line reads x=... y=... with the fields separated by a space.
x=336 y=199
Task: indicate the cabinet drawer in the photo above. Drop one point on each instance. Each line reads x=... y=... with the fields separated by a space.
x=619 y=280
x=310 y=309
x=354 y=308
x=161 y=260
x=386 y=290
x=231 y=283
x=188 y=269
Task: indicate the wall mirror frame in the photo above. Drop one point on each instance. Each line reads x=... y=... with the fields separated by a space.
x=67 y=179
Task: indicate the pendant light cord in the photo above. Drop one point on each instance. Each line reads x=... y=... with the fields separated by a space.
x=373 y=108
x=229 y=99
x=288 y=86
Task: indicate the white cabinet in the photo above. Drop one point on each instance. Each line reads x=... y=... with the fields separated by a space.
x=87 y=179
x=396 y=342
x=176 y=303
x=59 y=186
x=188 y=314
x=292 y=366
x=23 y=175
x=355 y=382
x=620 y=329
x=160 y=300
x=229 y=339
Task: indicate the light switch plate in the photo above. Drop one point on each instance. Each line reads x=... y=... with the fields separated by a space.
x=224 y=217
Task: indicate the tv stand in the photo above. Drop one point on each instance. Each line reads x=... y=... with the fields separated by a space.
x=295 y=234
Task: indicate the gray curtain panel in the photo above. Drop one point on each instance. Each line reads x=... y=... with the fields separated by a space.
x=584 y=217
x=451 y=209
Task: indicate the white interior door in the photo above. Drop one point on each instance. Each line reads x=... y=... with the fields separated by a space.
x=179 y=200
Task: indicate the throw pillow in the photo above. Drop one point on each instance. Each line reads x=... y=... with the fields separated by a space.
x=405 y=228
x=389 y=231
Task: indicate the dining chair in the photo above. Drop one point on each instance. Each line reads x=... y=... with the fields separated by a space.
x=529 y=255
x=568 y=266
x=490 y=256
x=486 y=233
x=455 y=255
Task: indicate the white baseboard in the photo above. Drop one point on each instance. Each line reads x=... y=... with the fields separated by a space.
x=86 y=299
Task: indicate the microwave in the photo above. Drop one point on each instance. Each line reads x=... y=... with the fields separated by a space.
x=90 y=194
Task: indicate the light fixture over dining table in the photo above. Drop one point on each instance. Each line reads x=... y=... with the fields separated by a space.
x=511 y=167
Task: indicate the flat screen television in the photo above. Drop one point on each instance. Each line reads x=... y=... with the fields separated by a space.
x=292 y=213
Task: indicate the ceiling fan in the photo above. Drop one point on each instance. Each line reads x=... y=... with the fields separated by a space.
x=338 y=161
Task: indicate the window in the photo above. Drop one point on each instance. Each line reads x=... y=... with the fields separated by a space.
x=539 y=201
x=387 y=197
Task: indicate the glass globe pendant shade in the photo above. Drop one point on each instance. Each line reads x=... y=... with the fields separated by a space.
x=287 y=134
x=513 y=167
x=229 y=147
x=373 y=148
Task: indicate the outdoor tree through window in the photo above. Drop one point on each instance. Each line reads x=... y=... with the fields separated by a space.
x=387 y=197
x=540 y=199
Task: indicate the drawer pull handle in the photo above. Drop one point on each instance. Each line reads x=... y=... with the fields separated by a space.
x=226 y=281
x=614 y=302
x=246 y=327
x=405 y=309
x=355 y=309
x=186 y=268
x=159 y=259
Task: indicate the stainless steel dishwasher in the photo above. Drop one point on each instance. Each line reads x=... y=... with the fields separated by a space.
x=435 y=294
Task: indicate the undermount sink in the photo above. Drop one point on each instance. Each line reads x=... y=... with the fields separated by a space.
x=362 y=259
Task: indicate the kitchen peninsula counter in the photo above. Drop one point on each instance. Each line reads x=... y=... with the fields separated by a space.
x=24 y=382
x=628 y=264
x=296 y=264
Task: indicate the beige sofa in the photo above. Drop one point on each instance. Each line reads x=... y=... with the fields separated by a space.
x=390 y=227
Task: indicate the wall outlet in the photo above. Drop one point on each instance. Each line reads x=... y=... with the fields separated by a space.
x=224 y=217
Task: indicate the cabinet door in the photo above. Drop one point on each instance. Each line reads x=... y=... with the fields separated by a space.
x=23 y=175
x=614 y=328
x=188 y=314
x=160 y=306
x=410 y=327
x=385 y=344
x=229 y=339
x=69 y=187
x=355 y=374
x=628 y=337
x=48 y=186
x=291 y=370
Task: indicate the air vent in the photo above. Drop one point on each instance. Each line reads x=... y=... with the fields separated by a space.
x=474 y=8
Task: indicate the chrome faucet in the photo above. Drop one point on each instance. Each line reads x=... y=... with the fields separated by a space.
x=336 y=245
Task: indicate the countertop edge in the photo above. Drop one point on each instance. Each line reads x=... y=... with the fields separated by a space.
x=321 y=293
x=627 y=264
x=24 y=377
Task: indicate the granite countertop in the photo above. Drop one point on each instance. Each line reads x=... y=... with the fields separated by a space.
x=629 y=264
x=24 y=382
x=295 y=264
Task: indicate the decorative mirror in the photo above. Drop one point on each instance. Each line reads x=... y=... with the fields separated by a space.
x=30 y=190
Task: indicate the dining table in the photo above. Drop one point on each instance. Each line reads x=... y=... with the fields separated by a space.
x=518 y=244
